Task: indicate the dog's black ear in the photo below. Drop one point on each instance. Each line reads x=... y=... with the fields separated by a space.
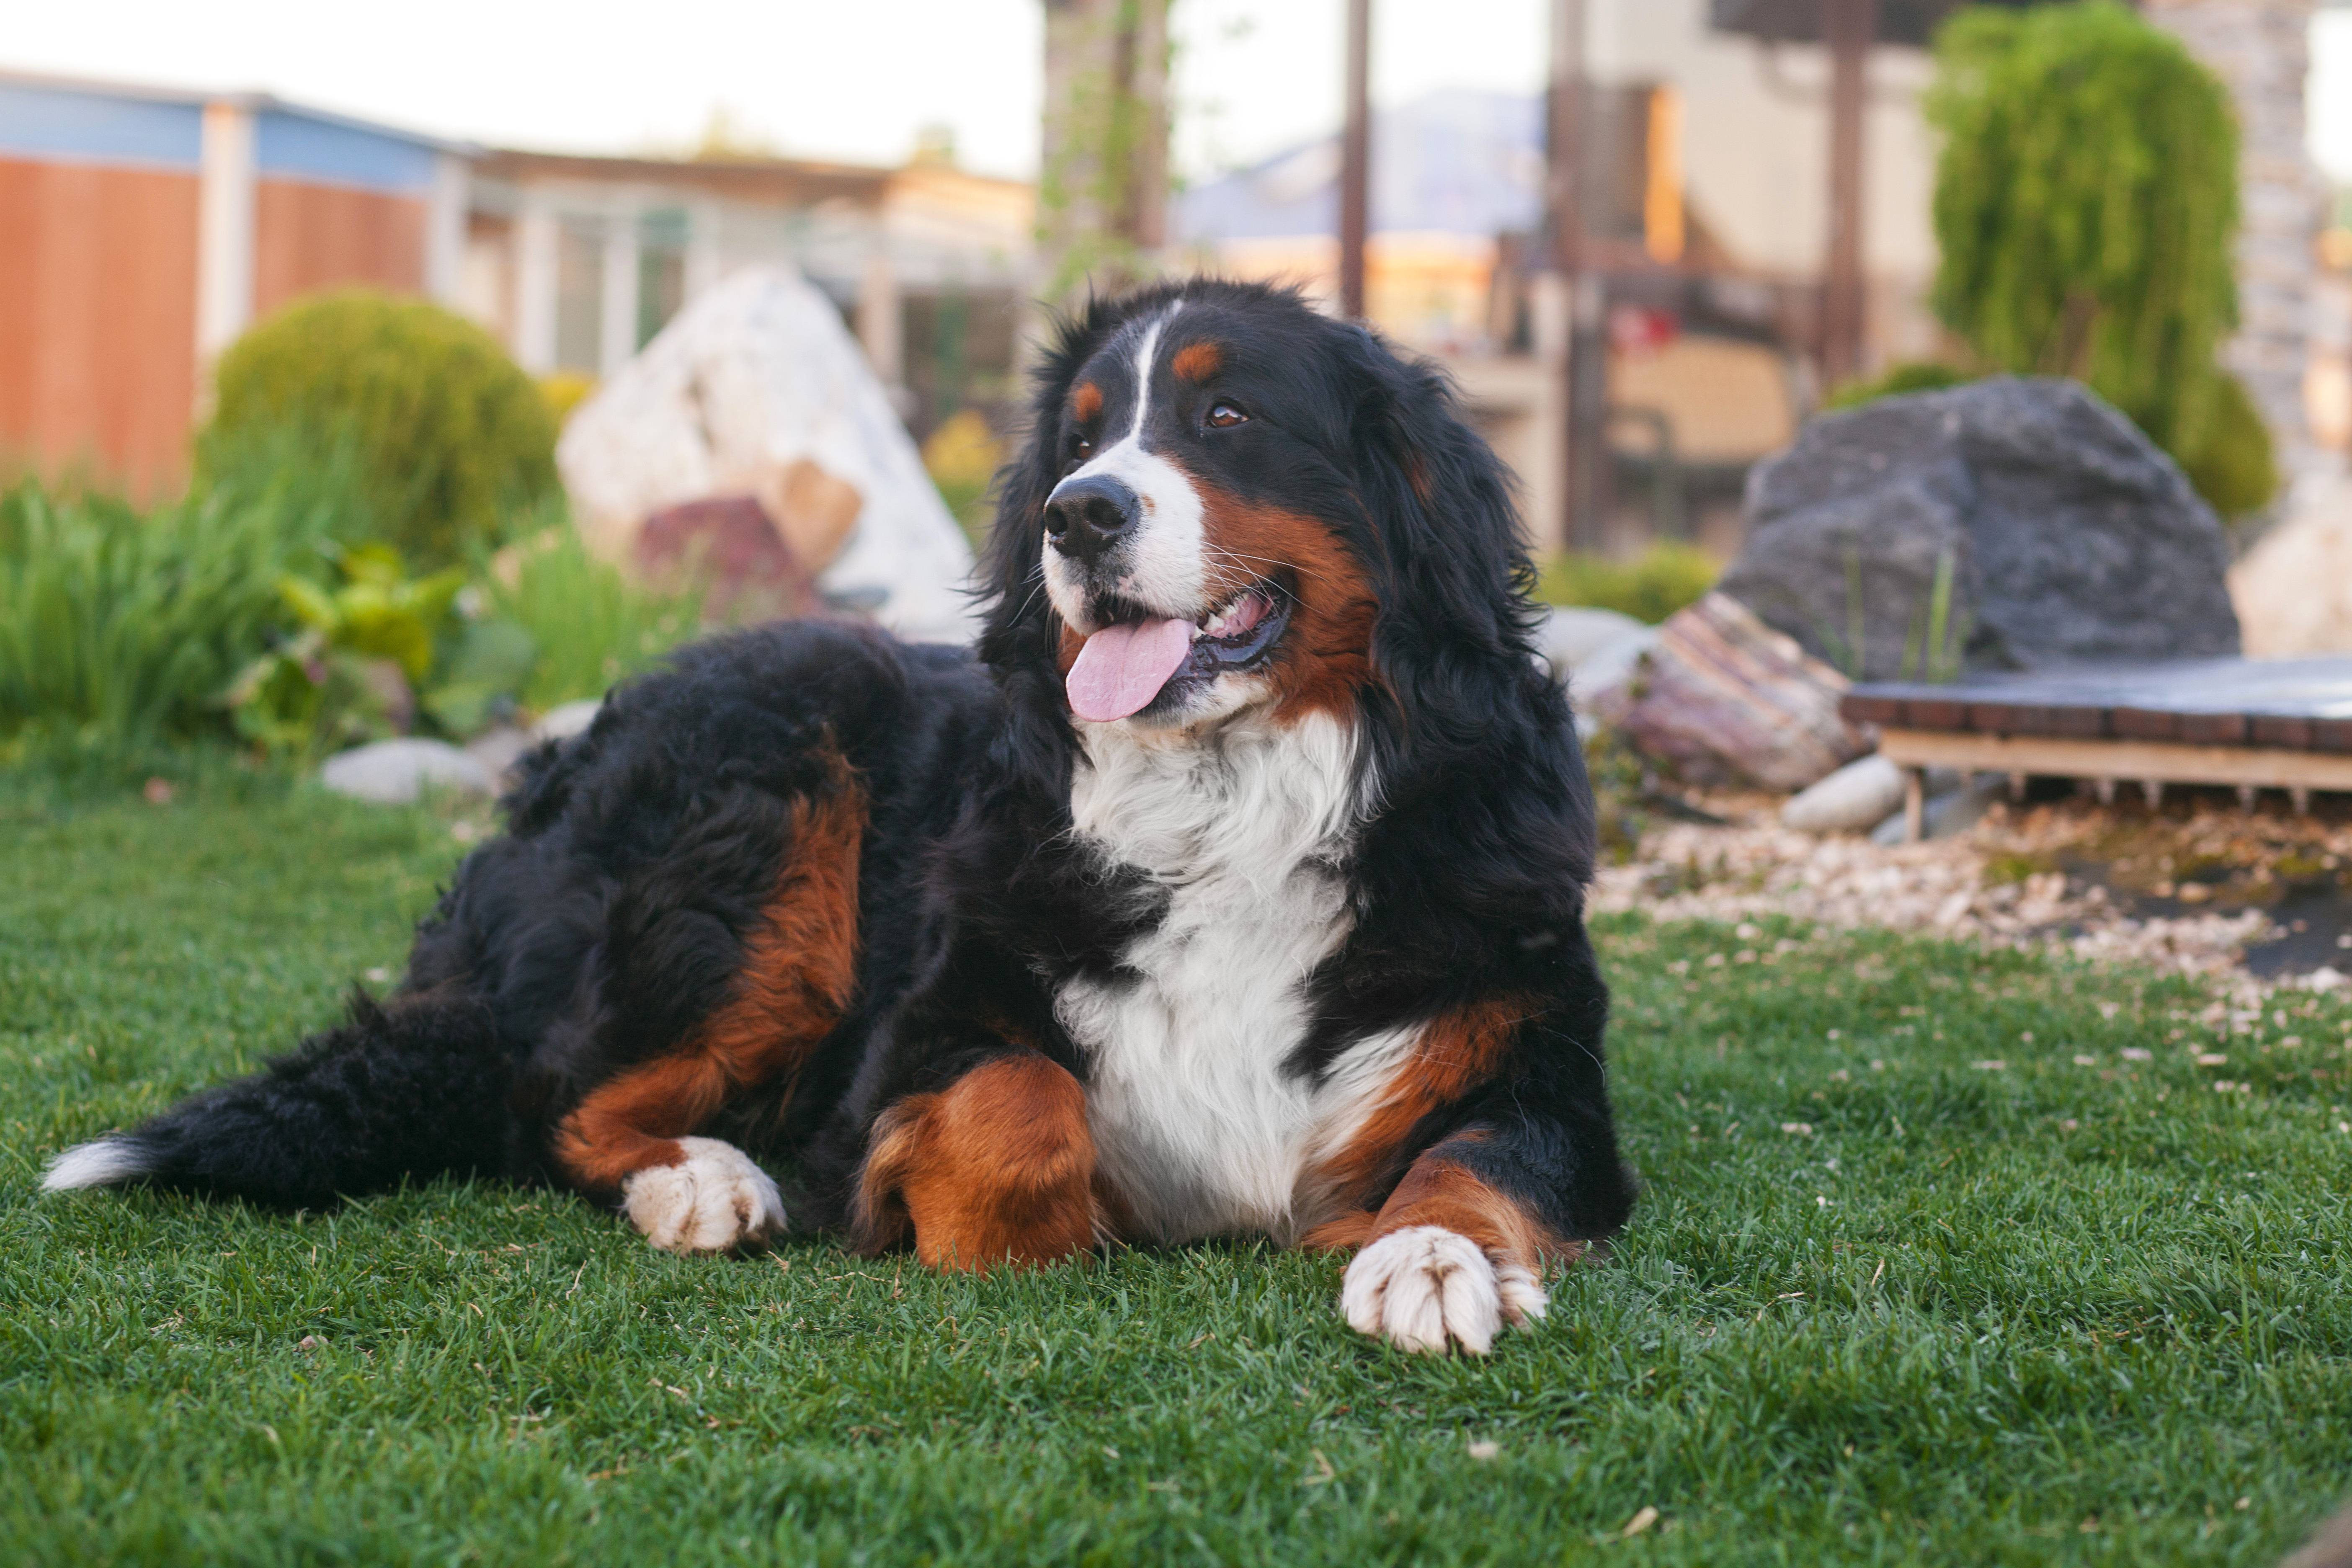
x=1456 y=633
x=1474 y=744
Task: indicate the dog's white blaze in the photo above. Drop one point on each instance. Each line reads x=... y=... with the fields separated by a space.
x=1164 y=565
x=1195 y=1123
x=96 y=1164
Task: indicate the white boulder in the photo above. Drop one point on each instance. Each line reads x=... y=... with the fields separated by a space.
x=756 y=389
x=397 y=773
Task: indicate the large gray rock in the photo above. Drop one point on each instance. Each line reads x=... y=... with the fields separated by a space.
x=396 y=772
x=2072 y=537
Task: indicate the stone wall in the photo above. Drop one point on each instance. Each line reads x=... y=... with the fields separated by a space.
x=2261 y=49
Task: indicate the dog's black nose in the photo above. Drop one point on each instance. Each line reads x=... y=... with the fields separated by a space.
x=1085 y=517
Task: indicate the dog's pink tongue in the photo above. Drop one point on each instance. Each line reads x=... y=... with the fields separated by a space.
x=1121 y=668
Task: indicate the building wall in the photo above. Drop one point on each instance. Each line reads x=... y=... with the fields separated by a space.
x=312 y=236
x=1754 y=148
x=107 y=255
x=98 y=316
x=97 y=208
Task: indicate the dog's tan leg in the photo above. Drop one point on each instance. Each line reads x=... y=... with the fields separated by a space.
x=997 y=1168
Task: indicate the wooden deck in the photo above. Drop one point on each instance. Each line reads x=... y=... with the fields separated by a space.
x=2252 y=724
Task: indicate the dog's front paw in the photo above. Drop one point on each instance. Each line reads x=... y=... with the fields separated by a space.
x=714 y=1199
x=1428 y=1288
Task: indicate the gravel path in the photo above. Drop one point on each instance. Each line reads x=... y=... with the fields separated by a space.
x=2259 y=901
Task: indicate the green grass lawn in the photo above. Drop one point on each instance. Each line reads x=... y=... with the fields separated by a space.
x=1879 y=1304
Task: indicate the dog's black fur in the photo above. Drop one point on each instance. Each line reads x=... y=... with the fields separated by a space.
x=615 y=913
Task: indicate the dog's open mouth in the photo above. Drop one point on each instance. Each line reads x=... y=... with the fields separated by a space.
x=1132 y=664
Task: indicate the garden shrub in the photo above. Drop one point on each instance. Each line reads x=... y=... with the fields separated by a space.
x=449 y=435
x=2085 y=201
x=2233 y=463
x=1649 y=587
x=563 y=391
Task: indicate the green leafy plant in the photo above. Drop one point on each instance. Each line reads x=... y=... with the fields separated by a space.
x=120 y=630
x=1649 y=587
x=351 y=669
x=588 y=627
x=448 y=434
x=2085 y=201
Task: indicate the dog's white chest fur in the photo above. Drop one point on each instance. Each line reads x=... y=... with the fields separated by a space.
x=1195 y=1123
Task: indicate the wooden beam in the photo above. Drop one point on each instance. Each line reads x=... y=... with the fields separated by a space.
x=1849 y=26
x=2251 y=767
x=1355 y=160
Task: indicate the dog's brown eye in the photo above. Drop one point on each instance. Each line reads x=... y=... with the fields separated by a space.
x=1224 y=416
x=1082 y=451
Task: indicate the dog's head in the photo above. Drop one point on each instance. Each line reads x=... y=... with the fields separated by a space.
x=1229 y=502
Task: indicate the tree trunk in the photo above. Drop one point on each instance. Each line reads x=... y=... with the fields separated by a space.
x=1102 y=180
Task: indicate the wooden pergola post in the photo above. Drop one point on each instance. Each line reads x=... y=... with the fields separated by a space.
x=1355 y=160
x=1850 y=28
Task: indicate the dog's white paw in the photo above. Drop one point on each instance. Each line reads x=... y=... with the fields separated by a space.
x=1428 y=1288
x=714 y=1199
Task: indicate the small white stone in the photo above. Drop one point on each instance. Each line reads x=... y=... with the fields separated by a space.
x=396 y=772
x=560 y=723
x=1854 y=799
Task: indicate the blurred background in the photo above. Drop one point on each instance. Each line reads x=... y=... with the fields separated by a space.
x=344 y=279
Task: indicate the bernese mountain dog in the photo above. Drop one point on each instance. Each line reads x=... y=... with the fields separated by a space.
x=1236 y=888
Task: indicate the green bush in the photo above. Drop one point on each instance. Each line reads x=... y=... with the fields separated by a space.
x=2232 y=461
x=2085 y=201
x=448 y=433
x=1649 y=587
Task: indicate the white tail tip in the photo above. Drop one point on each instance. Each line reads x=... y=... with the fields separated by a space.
x=102 y=1164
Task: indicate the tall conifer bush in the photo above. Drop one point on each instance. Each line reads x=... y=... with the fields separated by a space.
x=2086 y=203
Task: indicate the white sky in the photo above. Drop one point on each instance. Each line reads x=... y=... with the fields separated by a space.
x=823 y=78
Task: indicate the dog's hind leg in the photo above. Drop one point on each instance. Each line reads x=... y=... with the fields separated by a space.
x=631 y=1135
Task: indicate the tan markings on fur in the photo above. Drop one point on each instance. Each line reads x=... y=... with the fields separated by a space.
x=998 y=1167
x=1457 y=1052
x=1066 y=651
x=1196 y=363
x=1085 y=401
x=1416 y=475
x=798 y=970
x=1326 y=657
x=1438 y=1192
x=1344 y=1234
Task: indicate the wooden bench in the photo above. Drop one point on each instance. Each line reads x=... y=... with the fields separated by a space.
x=2254 y=724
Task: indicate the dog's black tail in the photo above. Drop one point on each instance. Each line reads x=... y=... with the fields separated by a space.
x=413 y=1088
